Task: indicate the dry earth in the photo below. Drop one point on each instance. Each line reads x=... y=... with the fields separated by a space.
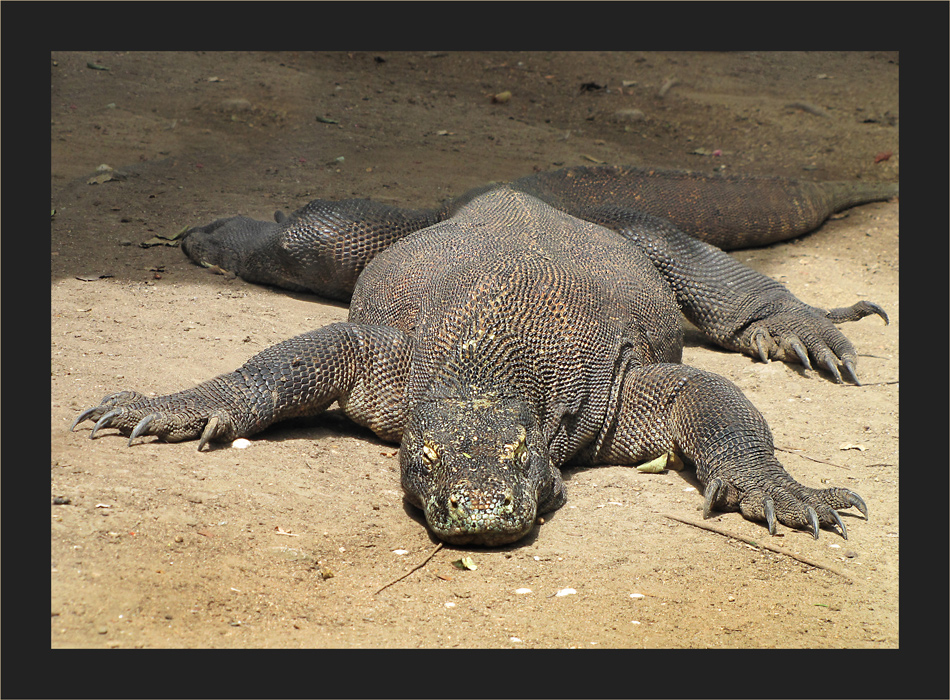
x=287 y=543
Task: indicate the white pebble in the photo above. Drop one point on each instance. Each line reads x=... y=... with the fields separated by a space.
x=514 y=639
x=522 y=591
x=637 y=595
x=241 y=443
x=565 y=591
x=400 y=551
x=450 y=605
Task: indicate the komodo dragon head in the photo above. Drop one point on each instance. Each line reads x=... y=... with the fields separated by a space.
x=478 y=465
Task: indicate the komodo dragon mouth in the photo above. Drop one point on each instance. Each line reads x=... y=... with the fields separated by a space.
x=479 y=469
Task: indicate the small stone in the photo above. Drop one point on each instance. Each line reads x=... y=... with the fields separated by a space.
x=627 y=116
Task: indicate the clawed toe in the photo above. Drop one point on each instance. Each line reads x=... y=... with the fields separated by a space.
x=840 y=523
x=858 y=502
x=142 y=427
x=88 y=413
x=770 y=515
x=812 y=517
x=711 y=496
x=104 y=422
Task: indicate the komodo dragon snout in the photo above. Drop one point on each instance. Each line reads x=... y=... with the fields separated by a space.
x=479 y=468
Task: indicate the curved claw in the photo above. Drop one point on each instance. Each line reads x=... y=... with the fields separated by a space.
x=770 y=515
x=760 y=346
x=83 y=416
x=800 y=351
x=812 y=517
x=142 y=426
x=215 y=427
x=712 y=493
x=840 y=523
x=858 y=502
x=829 y=364
x=849 y=368
x=104 y=422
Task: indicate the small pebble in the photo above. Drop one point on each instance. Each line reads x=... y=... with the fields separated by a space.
x=627 y=115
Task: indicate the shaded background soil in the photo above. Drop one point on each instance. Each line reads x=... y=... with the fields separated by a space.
x=286 y=543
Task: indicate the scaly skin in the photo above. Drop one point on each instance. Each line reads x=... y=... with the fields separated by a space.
x=501 y=339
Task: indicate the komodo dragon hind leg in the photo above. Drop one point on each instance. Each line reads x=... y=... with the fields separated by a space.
x=362 y=367
x=735 y=306
x=676 y=408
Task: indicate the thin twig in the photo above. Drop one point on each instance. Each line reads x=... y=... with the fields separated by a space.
x=756 y=543
x=795 y=451
x=411 y=571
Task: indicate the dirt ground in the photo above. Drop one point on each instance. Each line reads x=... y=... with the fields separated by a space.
x=287 y=543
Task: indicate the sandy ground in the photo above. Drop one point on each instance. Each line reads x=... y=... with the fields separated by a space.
x=287 y=543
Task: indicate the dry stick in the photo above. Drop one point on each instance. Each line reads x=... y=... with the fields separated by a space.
x=755 y=543
x=795 y=451
x=411 y=571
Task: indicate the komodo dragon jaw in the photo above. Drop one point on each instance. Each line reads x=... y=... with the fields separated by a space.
x=478 y=468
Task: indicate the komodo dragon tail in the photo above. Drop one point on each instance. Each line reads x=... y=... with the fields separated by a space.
x=728 y=211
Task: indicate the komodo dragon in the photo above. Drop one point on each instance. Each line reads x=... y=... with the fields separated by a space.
x=528 y=326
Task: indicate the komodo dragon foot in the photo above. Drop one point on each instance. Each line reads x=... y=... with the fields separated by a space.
x=172 y=418
x=805 y=333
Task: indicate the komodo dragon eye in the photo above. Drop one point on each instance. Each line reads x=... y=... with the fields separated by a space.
x=517 y=451
x=430 y=455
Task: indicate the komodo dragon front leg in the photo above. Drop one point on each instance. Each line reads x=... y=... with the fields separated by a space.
x=735 y=306
x=363 y=367
x=672 y=408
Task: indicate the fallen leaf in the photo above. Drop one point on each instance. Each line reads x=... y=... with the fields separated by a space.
x=158 y=240
x=465 y=563
x=661 y=463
